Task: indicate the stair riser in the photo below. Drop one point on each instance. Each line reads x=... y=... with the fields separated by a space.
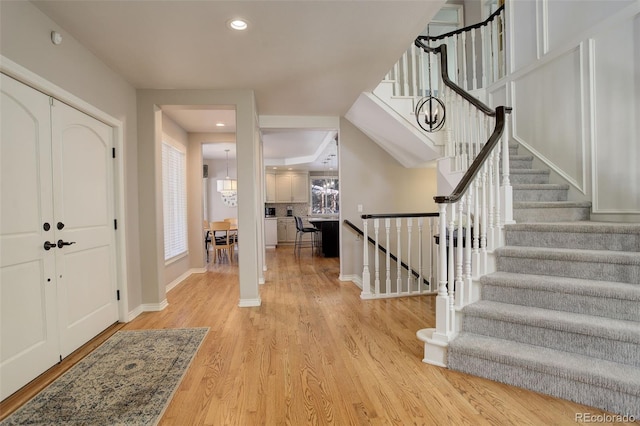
x=520 y=164
x=513 y=150
x=568 y=341
x=560 y=386
x=561 y=214
x=577 y=303
x=539 y=178
x=539 y=194
x=599 y=271
x=574 y=240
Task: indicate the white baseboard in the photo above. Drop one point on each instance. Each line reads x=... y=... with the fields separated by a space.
x=249 y=303
x=154 y=307
x=356 y=279
x=183 y=277
x=132 y=314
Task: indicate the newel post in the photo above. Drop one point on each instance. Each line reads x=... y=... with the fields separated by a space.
x=506 y=191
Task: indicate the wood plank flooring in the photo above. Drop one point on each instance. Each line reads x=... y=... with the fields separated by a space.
x=314 y=353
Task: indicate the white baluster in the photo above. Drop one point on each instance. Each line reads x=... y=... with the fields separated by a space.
x=483 y=227
x=483 y=43
x=366 y=276
x=420 y=274
x=421 y=89
x=492 y=201
x=414 y=71
x=463 y=40
x=451 y=268
x=409 y=275
x=443 y=314
x=474 y=80
x=387 y=283
x=476 y=225
x=503 y=60
x=433 y=224
x=468 y=282
x=376 y=256
x=453 y=71
x=396 y=80
x=459 y=260
x=405 y=74
x=507 y=191
x=496 y=169
x=494 y=48
x=399 y=262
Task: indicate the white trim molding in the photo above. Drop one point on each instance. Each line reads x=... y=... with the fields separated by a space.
x=249 y=303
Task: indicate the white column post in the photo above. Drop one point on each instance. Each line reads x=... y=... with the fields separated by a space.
x=376 y=256
x=387 y=281
x=366 y=276
x=507 y=191
x=398 y=263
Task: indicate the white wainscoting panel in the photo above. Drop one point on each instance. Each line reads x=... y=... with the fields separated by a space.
x=616 y=118
x=523 y=33
x=548 y=115
x=565 y=22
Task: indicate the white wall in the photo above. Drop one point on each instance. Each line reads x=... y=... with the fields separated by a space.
x=371 y=177
x=25 y=40
x=218 y=170
x=575 y=88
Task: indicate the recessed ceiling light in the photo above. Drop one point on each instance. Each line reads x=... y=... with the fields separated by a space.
x=219 y=124
x=238 y=24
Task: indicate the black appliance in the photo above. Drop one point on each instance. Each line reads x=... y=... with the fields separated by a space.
x=269 y=211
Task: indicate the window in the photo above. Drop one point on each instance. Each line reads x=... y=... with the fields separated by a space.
x=325 y=195
x=174 y=200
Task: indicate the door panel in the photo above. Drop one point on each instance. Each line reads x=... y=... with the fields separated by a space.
x=83 y=202
x=28 y=319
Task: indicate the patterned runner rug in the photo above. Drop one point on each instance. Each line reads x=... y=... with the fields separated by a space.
x=128 y=380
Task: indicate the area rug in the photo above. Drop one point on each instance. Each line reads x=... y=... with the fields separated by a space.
x=128 y=380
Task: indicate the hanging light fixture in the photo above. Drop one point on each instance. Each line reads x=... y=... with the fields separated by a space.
x=227 y=186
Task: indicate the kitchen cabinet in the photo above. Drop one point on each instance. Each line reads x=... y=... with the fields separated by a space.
x=270 y=232
x=270 y=187
x=292 y=187
x=286 y=230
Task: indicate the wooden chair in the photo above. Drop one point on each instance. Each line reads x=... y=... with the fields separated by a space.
x=221 y=239
x=234 y=228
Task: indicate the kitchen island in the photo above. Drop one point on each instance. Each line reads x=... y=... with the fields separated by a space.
x=330 y=239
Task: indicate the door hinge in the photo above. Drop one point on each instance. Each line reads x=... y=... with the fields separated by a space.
x=60 y=358
x=113 y=152
x=115 y=224
x=117 y=294
x=50 y=101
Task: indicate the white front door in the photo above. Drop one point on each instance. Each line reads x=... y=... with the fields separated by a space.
x=84 y=213
x=56 y=182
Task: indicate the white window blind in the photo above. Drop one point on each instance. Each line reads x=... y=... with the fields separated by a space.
x=174 y=200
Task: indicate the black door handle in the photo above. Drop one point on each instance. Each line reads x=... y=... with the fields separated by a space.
x=64 y=243
x=48 y=245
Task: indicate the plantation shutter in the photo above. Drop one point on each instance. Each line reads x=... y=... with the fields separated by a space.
x=174 y=196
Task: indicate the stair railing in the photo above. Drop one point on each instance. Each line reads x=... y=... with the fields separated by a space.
x=473 y=216
x=476 y=58
x=407 y=240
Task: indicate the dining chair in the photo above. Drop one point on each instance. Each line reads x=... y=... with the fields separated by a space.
x=221 y=239
x=234 y=228
x=207 y=238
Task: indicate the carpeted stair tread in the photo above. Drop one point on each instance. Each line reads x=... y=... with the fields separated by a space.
x=566 y=285
x=521 y=157
x=578 y=226
x=576 y=367
x=550 y=204
x=588 y=325
x=530 y=171
x=540 y=186
x=590 y=256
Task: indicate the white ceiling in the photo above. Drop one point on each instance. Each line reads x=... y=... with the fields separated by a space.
x=304 y=57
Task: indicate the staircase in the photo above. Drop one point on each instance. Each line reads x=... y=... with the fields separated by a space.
x=561 y=315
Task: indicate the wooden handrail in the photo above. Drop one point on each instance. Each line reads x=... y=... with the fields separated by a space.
x=444 y=73
x=394 y=215
x=465 y=29
x=474 y=168
x=384 y=250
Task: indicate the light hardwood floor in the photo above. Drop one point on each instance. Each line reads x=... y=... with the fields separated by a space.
x=314 y=353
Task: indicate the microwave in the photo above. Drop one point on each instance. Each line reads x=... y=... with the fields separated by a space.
x=269 y=211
